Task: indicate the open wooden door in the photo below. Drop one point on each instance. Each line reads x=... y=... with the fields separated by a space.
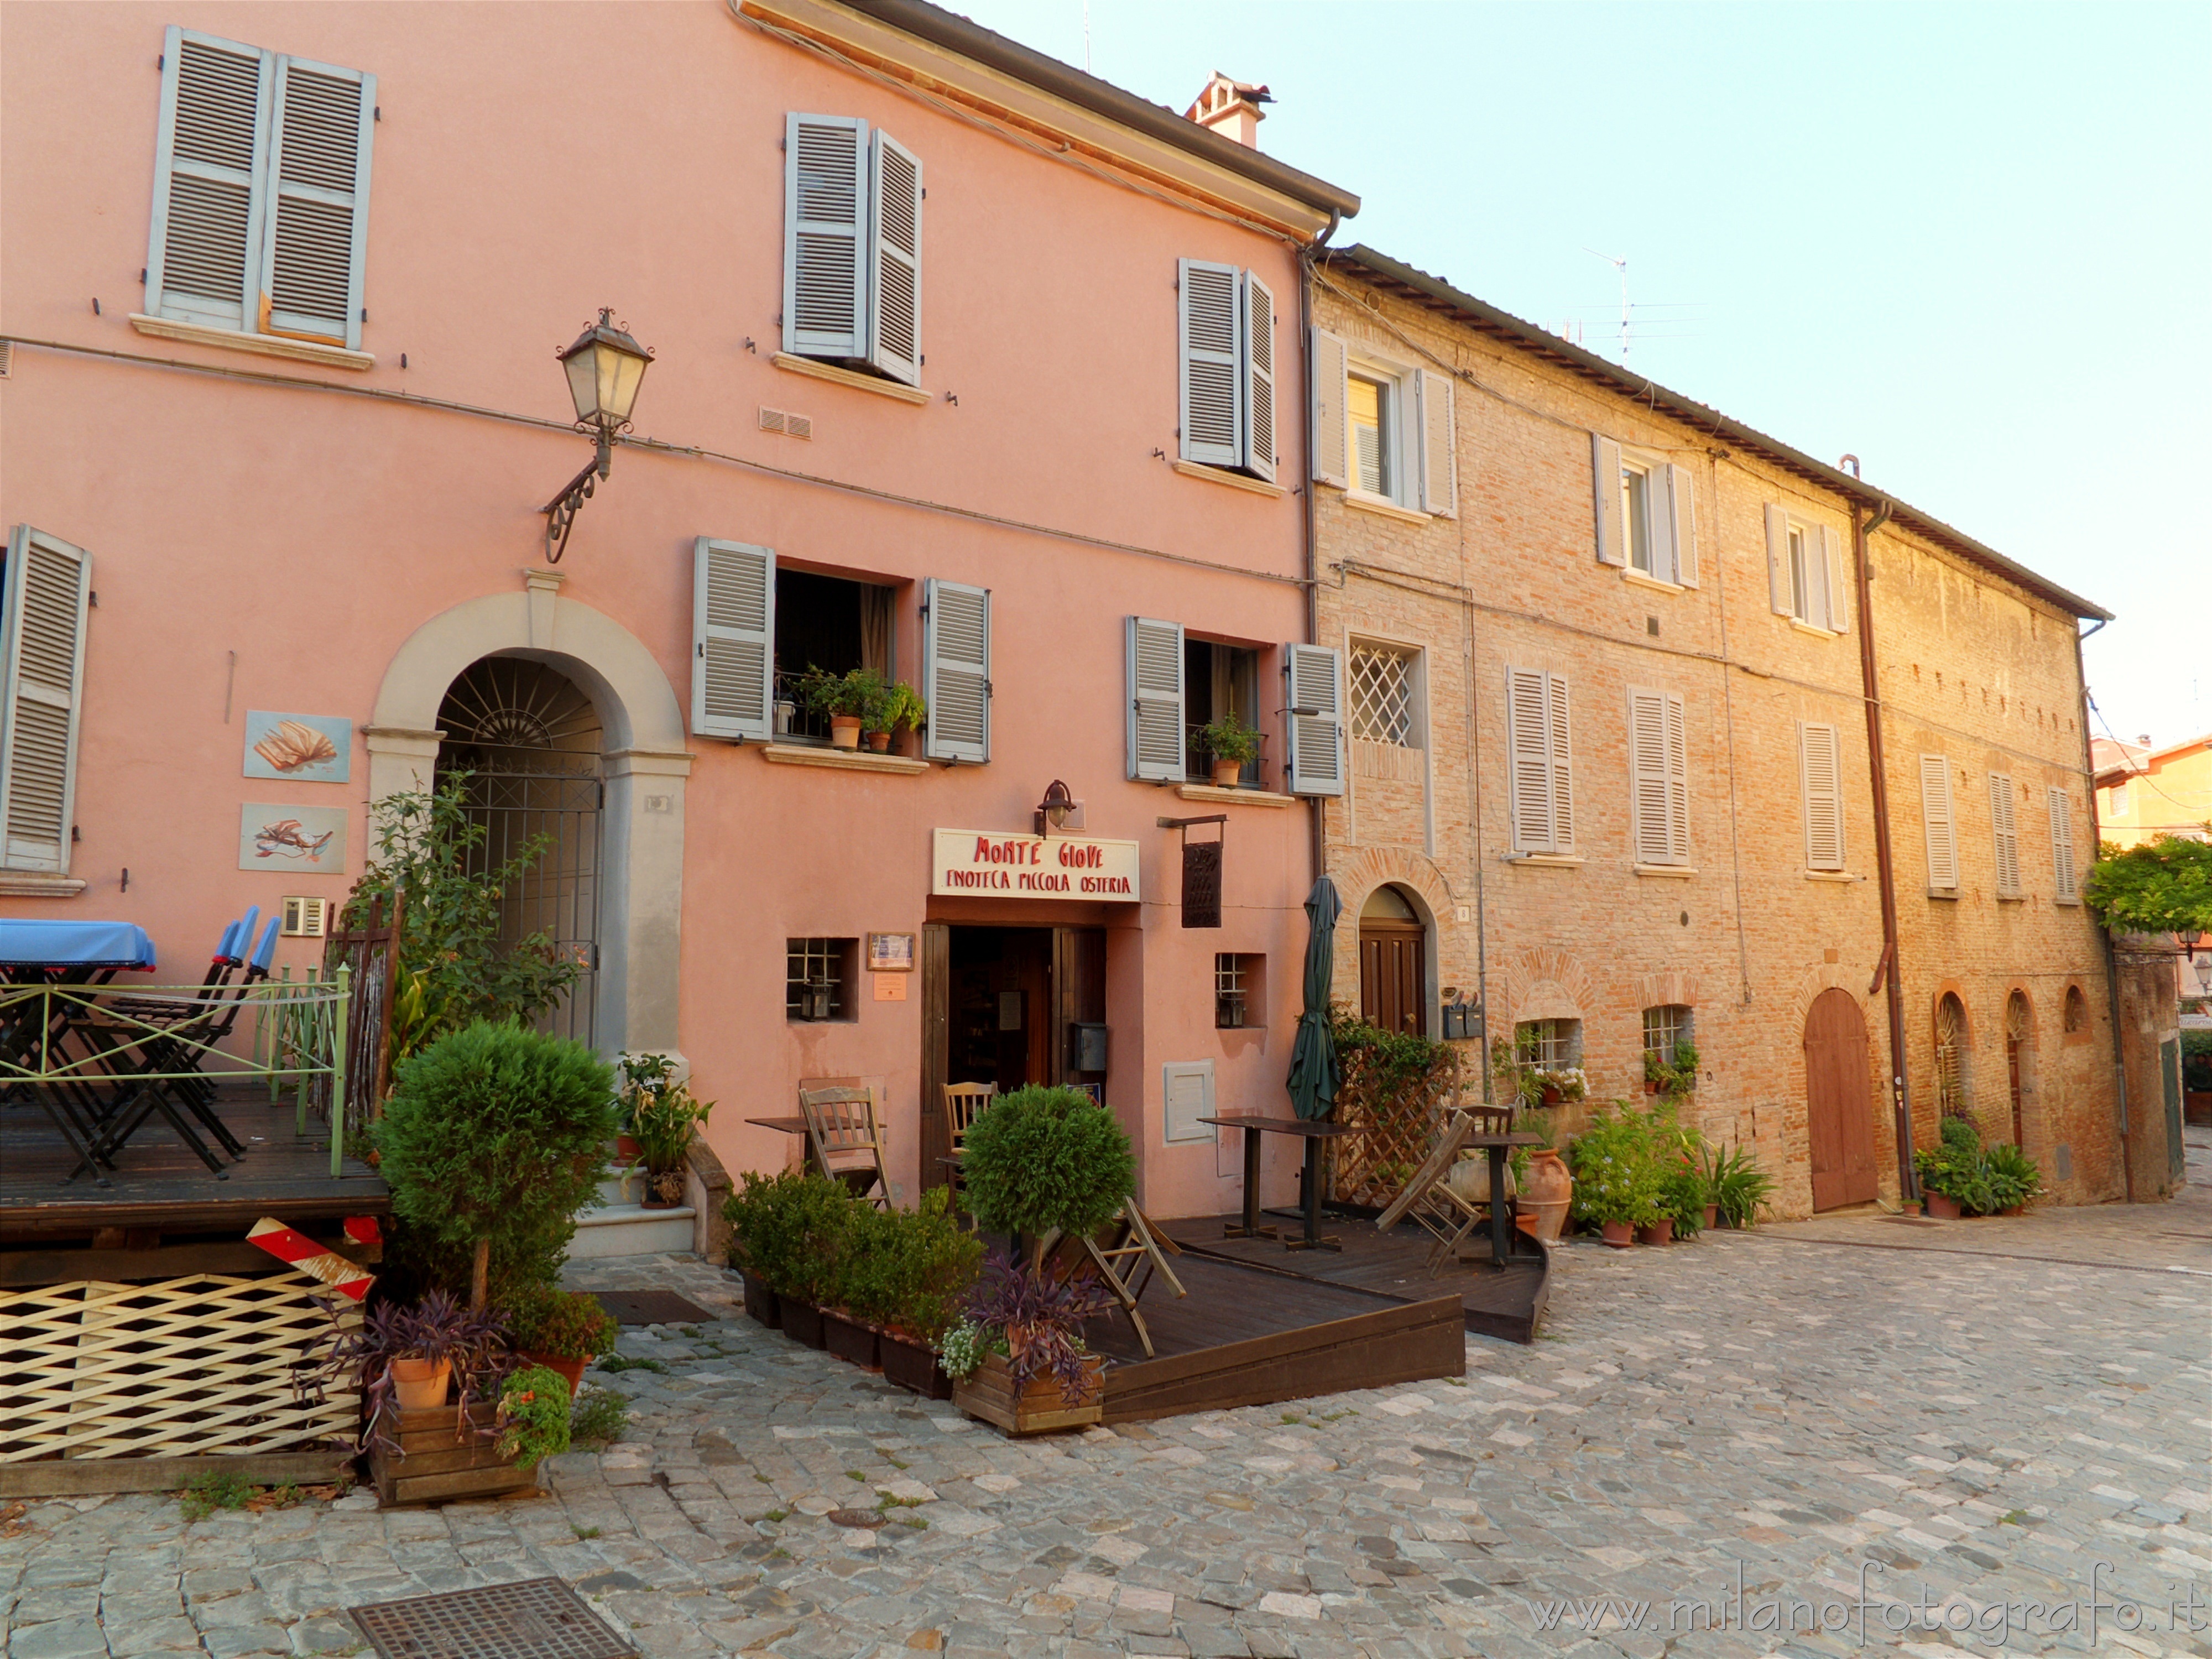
x=1839 y=1109
x=936 y=1050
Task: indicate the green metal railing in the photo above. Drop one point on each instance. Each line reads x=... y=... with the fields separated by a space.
x=283 y=1031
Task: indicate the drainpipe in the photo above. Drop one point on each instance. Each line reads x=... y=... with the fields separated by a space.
x=1886 y=972
x=2112 y=959
x=1317 y=819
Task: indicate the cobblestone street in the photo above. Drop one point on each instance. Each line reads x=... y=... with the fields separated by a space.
x=1970 y=1416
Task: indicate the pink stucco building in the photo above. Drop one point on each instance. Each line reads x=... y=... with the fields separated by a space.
x=966 y=369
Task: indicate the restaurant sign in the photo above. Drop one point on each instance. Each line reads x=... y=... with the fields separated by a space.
x=993 y=865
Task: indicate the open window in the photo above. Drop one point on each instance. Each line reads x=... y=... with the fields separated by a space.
x=1220 y=680
x=830 y=623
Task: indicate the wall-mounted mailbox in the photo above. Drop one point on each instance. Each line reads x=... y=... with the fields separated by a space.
x=1462 y=1019
x=1087 y=1047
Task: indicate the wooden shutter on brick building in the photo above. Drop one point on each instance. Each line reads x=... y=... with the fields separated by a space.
x=956 y=670
x=825 y=224
x=1212 y=391
x=2064 y=873
x=43 y=592
x=1605 y=500
x=1780 y=594
x=1156 y=733
x=894 y=307
x=2004 y=835
x=1259 y=331
x=1315 y=723
x=1941 y=830
x=732 y=639
x=1439 y=460
x=1682 y=518
x=1541 y=764
x=1820 y=774
x=1331 y=367
x=1658 y=761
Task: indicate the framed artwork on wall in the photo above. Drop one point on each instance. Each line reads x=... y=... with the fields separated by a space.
x=289 y=839
x=298 y=748
x=891 y=953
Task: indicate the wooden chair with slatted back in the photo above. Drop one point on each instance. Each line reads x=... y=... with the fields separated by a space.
x=963 y=1102
x=1430 y=1200
x=1125 y=1255
x=847 y=1143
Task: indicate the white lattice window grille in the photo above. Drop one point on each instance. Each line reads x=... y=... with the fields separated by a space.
x=1383 y=695
x=1550 y=1045
x=1663 y=1027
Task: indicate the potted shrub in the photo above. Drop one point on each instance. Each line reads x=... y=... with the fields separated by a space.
x=1954 y=1174
x=788 y=1233
x=494 y=1140
x=903 y=710
x=1231 y=743
x=907 y=1275
x=851 y=700
x=1673 y=1076
x=1682 y=1196
x=1018 y=1359
x=533 y=1419
x=1042 y=1162
x=662 y=1114
x=562 y=1330
x=1734 y=1187
x=411 y=1357
x=2014 y=1179
x=1616 y=1177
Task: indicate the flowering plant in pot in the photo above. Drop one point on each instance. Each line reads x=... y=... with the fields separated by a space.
x=1617 y=1178
x=662 y=1113
x=1018 y=1358
x=854 y=701
x=1673 y=1075
x=562 y=1330
x=1232 y=744
x=533 y=1418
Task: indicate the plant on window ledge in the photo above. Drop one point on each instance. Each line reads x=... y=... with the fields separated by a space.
x=903 y=710
x=854 y=701
x=1674 y=1077
x=1521 y=1077
x=1232 y=743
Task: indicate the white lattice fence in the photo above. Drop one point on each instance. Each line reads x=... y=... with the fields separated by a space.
x=184 y=1368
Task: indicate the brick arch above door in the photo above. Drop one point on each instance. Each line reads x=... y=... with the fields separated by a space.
x=1357 y=875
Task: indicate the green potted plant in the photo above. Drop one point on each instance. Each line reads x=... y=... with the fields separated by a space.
x=1018 y=1359
x=1673 y=1075
x=1734 y=1187
x=562 y=1330
x=851 y=699
x=1231 y=743
x=906 y=1273
x=788 y=1233
x=1954 y=1173
x=1617 y=1179
x=662 y=1114
x=903 y=710
x=534 y=1421
x=2015 y=1178
x=492 y=1141
x=1041 y=1163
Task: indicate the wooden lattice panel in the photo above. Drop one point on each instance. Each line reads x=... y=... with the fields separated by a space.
x=1398 y=1129
x=183 y=1368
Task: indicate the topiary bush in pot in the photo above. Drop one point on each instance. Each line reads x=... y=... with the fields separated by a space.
x=1041 y=1161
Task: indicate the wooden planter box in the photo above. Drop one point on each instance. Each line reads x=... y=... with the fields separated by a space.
x=849 y=1338
x=802 y=1320
x=761 y=1303
x=988 y=1394
x=911 y=1366
x=439 y=1459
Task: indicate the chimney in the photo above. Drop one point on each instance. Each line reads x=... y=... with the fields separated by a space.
x=1232 y=108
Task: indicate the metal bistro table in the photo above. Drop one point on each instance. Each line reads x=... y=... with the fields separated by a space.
x=1313 y=1133
x=1499 y=1148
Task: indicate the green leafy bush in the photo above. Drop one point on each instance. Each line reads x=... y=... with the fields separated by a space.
x=907 y=1269
x=1045 y=1160
x=597 y=1418
x=2196 y=1061
x=1983 y=1181
x=1618 y=1175
x=2013 y=1176
x=2161 y=886
x=533 y=1416
x=1682 y=1197
x=566 y=1324
x=1735 y=1183
x=789 y=1231
x=493 y=1142
x=1229 y=738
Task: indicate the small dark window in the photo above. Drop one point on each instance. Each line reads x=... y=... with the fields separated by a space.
x=1239 y=990
x=1220 y=680
x=830 y=623
x=817 y=978
x=2077 y=1008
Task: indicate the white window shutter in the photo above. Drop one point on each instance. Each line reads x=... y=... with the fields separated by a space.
x=1678 y=781
x=2066 y=877
x=826 y=220
x=1605 y=481
x=1213 y=382
x=1529 y=773
x=1682 y=497
x=1561 y=755
x=1820 y=763
x=42 y=610
x=1778 y=592
x=1259 y=329
x=2005 y=833
x=895 y=260
x=956 y=671
x=1439 y=457
x=1936 y=817
x=732 y=640
x=315 y=220
x=1155 y=724
x=1650 y=807
x=1832 y=565
x=1316 y=722
x=1329 y=436
x=1658 y=524
x=203 y=254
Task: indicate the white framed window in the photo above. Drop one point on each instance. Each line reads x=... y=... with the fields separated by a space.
x=1385 y=695
x=1225 y=344
x=1382 y=431
x=1646 y=513
x=1659 y=777
x=1371 y=406
x=1541 y=770
x=851 y=246
x=1805 y=575
x=1549 y=1045
x=2115 y=800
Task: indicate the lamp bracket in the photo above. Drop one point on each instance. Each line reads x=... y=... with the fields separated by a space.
x=561 y=512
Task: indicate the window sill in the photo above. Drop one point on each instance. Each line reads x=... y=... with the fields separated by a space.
x=38 y=884
x=1831 y=875
x=1949 y=895
x=1240 y=797
x=1234 y=480
x=2012 y=898
x=1630 y=573
x=1546 y=860
x=269 y=345
x=2071 y=904
x=1672 y=871
x=837 y=376
x=1382 y=508
x=1817 y=633
x=844 y=760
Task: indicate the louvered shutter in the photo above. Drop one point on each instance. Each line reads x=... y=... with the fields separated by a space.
x=1678 y=781
x=825 y=219
x=1317 y=721
x=1831 y=566
x=1561 y=755
x=895 y=252
x=956 y=671
x=1682 y=503
x=316 y=219
x=1936 y=817
x=732 y=639
x=1439 y=468
x=1649 y=777
x=2068 y=888
x=1331 y=367
x=1605 y=481
x=204 y=253
x=1779 y=594
x=1820 y=763
x=1540 y=774
x=1658 y=525
x=1259 y=326
x=2005 y=833
x=42 y=611
x=1155 y=724
x=1212 y=396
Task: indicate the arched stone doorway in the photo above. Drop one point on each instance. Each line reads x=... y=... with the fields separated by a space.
x=1394 y=992
x=527 y=741
x=1839 y=1112
x=2019 y=1061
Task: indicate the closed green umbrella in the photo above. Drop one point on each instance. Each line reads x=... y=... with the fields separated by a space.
x=1314 y=1070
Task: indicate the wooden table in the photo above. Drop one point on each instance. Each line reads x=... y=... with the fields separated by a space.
x=790 y=1125
x=1499 y=1148
x=1314 y=1132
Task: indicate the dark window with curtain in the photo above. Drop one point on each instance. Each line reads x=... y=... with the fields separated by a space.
x=831 y=623
x=1218 y=679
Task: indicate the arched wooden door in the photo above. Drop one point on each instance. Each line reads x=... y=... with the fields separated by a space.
x=1393 y=959
x=1838 y=1116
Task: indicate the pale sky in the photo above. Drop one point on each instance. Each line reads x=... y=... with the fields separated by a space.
x=1971 y=244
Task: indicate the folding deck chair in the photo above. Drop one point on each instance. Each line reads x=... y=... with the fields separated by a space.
x=1429 y=1200
x=845 y=1141
x=1125 y=1255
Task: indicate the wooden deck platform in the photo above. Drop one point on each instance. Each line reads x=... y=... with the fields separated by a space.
x=1243 y=1337
x=1508 y=1305
x=159 y=1188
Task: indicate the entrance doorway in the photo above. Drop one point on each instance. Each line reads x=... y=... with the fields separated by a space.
x=1008 y=1007
x=1839 y=1112
x=1392 y=963
x=528 y=741
x=2019 y=1062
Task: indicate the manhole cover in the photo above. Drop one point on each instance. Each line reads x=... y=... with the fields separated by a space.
x=537 y=1618
x=652 y=1308
x=854 y=1518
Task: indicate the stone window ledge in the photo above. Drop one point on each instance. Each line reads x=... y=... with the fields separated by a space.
x=1234 y=480
x=1672 y=871
x=38 y=884
x=1238 y=797
x=269 y=345
x=837 y=376
x=844 y=760
x=1546 y=860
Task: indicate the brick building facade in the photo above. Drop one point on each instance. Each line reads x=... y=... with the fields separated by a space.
x=1608 y=754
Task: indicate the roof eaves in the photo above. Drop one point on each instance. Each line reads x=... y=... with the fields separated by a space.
x=1439 y=296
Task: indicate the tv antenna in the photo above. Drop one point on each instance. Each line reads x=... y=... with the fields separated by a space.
x=1621 y=265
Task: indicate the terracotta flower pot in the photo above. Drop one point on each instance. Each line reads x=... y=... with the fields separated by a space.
x=627 y=1149
x=1910 y=1206
x=1660 y=1231
x=420 y=1384
x=571 y=1369
x=1712 y=1215
x=845 y=731
x=880 y=743
x=1943 y=1208
x=1546 y=1194
x=1226 y=772
x=1618 y=1234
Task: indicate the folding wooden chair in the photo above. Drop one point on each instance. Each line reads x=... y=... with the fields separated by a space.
x=1125 y=1255
x=847 y=1144
x=1430 y=1202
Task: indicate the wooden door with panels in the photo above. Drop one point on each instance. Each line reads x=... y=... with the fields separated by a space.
x=1838 y=1103
x=1393 y=964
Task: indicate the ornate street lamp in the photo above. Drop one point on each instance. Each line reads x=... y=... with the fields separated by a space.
x=604 y=368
